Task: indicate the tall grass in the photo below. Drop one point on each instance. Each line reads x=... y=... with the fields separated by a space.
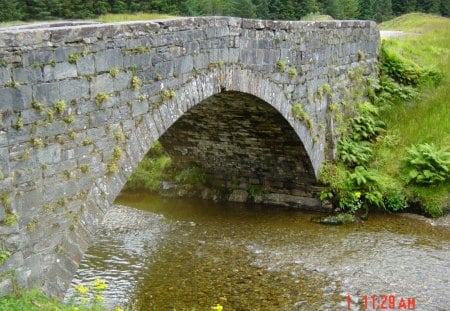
x=427 y=119
x=109 y=18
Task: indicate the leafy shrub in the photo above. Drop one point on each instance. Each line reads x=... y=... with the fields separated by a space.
x=388 y=92
x=395 y=201
x=370 y=183
x=193 y=176
x=354 y=153
x=149 y=175
x=366 y=127
x=427 y=164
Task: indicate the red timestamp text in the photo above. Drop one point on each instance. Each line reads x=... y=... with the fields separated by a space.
x=385 y=302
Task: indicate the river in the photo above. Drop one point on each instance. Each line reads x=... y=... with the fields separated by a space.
x=185 y=254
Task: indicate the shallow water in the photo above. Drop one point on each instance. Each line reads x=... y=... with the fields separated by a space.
x=183 y=254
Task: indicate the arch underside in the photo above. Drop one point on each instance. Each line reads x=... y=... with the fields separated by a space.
x=241 y=142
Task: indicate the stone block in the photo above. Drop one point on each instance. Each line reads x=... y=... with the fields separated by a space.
x=60 y=71
x=102 y=83
x=27 y=74
x=15 y=98
x=99 y=118
x=139 y=107
x=108 y=59
x=46 y=92
x=37 y=57
x=4 y=163
x=122 y=81
x=86 y=65
x=5 y=75
x=74 y=89
x=49 y=155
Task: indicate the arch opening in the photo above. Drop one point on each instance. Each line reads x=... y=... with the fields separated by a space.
x=246 y=148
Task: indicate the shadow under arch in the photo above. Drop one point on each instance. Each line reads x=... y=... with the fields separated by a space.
x=154 y=124
x=241 y=143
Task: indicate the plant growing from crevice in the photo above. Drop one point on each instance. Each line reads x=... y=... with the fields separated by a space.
x=69 y=119
x=101 y=98
x=168 y=94
x=135 y=83
x=38 y=106
x=60 y=106
x=19 y=123
x=281 y=65
x=299 y=112
x=37 y=142
x=292 y=72
x=114 y=72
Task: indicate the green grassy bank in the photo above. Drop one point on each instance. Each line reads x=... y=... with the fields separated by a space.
x=424 y=119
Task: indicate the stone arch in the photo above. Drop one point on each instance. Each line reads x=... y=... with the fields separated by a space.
x=155 y=123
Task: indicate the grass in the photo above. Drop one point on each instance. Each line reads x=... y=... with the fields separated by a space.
x=106 y=18
x=426 y=120
x=110 y=18
x=35 y=300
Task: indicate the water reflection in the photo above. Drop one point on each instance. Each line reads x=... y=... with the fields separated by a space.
x=188 y=253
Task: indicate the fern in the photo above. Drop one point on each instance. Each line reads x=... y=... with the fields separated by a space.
x=427 y=164
x=354 y=153
x=366 y=127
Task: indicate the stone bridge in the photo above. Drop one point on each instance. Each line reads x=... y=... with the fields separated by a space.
x=81 y=104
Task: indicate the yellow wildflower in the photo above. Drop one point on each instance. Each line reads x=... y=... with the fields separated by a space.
x=217 y=307
x=357 y=194
x=100 y=285
x=99 y=298
x=82 y=290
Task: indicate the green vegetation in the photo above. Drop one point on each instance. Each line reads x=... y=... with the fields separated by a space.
x=281 y=65
x=396 y=152
x=86 y=298
x=110 y=18
x=37 y=142
x=168 y=94
x=135 y=83
x=299 y=112
x=157 y=167
x=4 y=255
x=151 y=172
x=60 y=106
x=379 y=10
x=101 y=98
x=114 y=72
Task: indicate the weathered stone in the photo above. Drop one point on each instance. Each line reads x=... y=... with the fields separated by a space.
x=27 y=74
x=102 y=83
x=108 y=59
x=46 y=92
x=16 y=97
x=246 y=138
x=60 y=71
x=86 y=65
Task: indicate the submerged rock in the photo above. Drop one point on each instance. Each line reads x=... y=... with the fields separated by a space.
x=338 y=219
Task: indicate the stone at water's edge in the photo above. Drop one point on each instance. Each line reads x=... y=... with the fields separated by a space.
x=61 y=170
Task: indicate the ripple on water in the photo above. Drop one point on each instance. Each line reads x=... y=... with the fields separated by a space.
x=187 y=253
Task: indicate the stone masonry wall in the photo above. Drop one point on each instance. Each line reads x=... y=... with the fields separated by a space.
x=245 y=147
x=81 y=105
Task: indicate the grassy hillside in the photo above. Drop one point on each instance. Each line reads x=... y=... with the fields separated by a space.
x=427 y=118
